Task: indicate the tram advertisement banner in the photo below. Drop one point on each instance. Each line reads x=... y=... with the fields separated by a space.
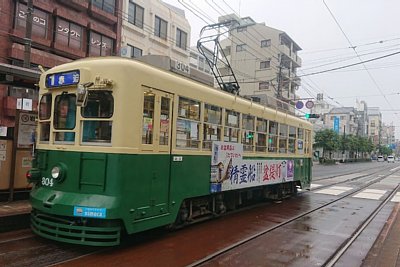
x=230 y=171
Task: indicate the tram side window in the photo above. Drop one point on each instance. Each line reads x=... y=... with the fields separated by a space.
x=261 y=141
x=283 y=138
x=248 y=132
x=231 y=130
x=188 y=124
x=148 y=118
x=65 y=117
x=44 y=116
x=292 y=139
x=212 y=125
x=164 y=121
x=273 y=136
x=96 y=125
x=307 y=141
x=300 y=142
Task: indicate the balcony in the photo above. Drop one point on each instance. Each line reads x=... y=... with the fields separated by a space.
x=287 y=53
x=297 y=81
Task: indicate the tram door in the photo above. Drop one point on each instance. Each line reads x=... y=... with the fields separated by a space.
x=156 y=144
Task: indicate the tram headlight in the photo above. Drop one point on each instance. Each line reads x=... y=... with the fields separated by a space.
x=58 y=172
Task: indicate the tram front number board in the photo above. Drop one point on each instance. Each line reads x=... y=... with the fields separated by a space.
x=62 y=79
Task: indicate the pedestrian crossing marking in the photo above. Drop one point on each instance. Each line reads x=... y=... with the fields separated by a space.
x=334 y=190
x=396 y=197
x=343 y=188
x=371 y=194
x=375 y=191
x=315 y=186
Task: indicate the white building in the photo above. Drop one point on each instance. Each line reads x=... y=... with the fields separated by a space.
x=264 y=61
x=152 y=27
x=375 y=124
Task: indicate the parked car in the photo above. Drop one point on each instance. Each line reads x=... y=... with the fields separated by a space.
x=381 y=159
x=390 y=159
x=374 y=157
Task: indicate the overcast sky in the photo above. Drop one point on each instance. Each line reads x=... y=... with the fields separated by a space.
x=372 y=26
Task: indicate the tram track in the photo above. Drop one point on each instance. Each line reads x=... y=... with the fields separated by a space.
x=75 y=254
x=347 y=173
x=348 y=180
x=341 y=249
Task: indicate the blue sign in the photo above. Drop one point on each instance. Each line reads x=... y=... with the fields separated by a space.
x=90 y=212
x=63 y=79
x=336 y=122
x=299 y=104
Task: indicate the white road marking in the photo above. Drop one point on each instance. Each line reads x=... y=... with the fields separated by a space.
x=396 y=197
x=371 y=194
x=315 y=185
x=395 y=169
x=334 y=190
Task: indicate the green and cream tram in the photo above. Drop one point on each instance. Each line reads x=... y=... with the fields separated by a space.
x=125 y=147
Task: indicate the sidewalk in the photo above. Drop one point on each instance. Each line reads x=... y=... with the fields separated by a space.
x=14 y=215
x=386 y=249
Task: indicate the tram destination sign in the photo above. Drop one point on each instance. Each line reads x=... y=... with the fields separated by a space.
x=62 y=79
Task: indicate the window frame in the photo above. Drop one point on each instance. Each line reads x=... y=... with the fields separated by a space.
x=134 y=51
x=265 y=43
x=133 y=18
x=181 y=38
x=104 y=5
x=58 y=38
x=240 y=47
x=102 y=45
x=266 y=64
x=159 y=25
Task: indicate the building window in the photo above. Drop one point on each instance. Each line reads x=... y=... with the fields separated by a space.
x=40 y=20
x=266 y=43
x=136 y=15
x=105 y=5
x=265 y=64
x=68 y=33
x=242 y=29
x=160 y=28
x=201 y=63
x=135 y=52
x=263 y=86
x=181 y=38
x=100 y=45
x=241 y=47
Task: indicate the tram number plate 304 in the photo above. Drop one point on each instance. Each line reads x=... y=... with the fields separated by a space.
x=47 y=181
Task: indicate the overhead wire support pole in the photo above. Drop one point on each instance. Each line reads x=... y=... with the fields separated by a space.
x=218 y=55
x=28 y=35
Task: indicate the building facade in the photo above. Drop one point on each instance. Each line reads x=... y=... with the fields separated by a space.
x=375 y=125
x=265 y=62
x=152 y=27
x=346 y=119
x=61 y=31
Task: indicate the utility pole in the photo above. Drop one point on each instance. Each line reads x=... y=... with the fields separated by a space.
x=278 y=91
x=28 y=35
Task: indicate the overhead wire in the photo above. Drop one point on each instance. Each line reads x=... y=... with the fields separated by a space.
x=355 y=51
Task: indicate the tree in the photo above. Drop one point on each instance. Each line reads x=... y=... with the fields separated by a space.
x=328 y=139
x=385 y=150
